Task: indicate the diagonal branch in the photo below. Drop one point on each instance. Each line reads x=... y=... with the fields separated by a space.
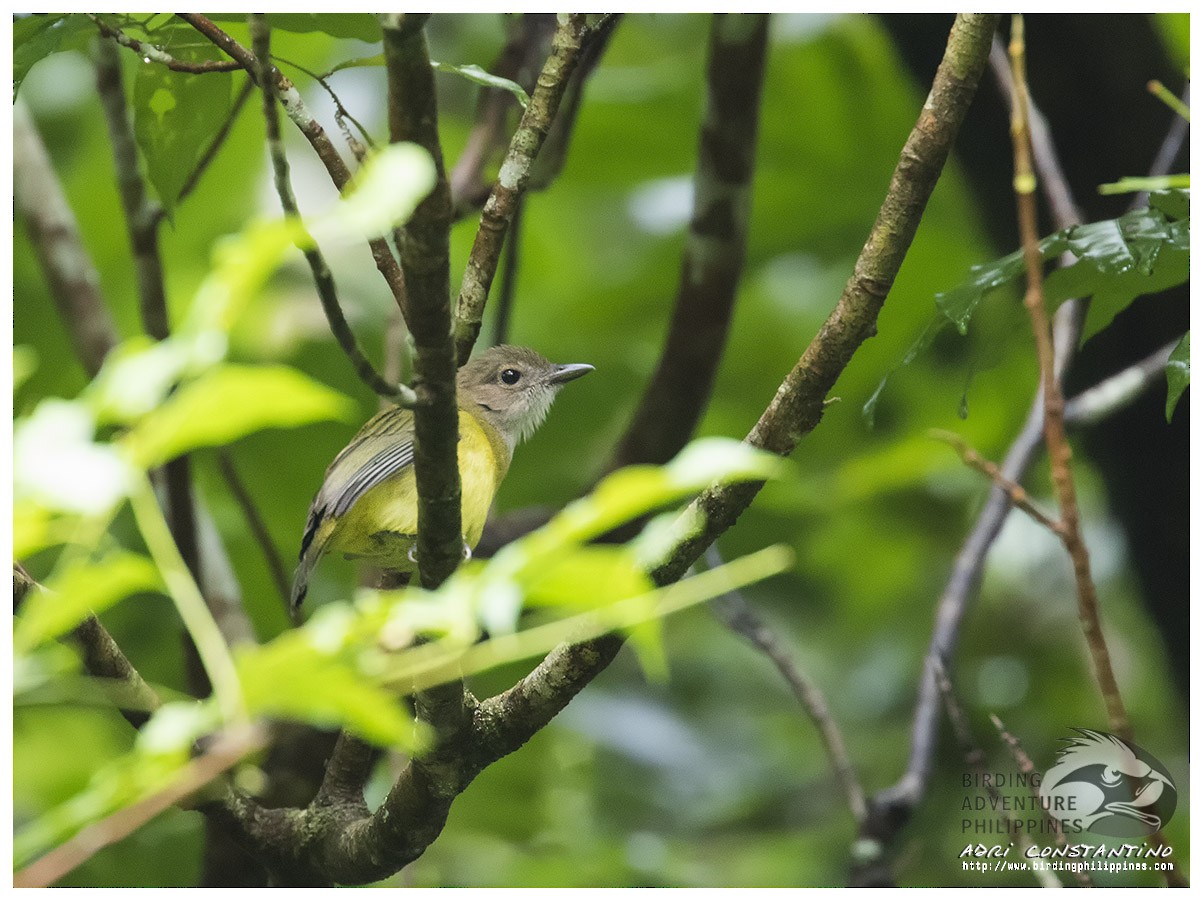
x=514 y=176
x=716 y=246
x=799 y=403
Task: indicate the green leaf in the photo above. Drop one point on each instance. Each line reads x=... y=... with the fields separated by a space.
x=1179 y=373
x=36 y=37
x=359 y=62
x=588 y=576
x=83 y=588
x=175 y=116
x=632 y=492
x=139 y=372
x=471 y=72
x=474 y=73
x=384 y=193
x=312 y=677
x=430 y=664
x=1145 y=251
x=229 y=402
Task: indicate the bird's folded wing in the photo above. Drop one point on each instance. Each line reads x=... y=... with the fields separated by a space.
x=387 y=463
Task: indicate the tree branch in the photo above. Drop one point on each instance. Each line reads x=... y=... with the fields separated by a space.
x=800 y=401
x=73 y=279
x=424 y=244
x=716 y=246
x=258 y=527
x=513 y=179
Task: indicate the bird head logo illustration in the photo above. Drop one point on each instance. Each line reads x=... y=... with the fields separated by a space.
x=1111 y=786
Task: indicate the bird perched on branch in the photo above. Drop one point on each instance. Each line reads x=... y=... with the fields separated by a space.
x=367 y=507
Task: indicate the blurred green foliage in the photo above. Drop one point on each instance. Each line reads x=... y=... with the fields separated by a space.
x=712 y=777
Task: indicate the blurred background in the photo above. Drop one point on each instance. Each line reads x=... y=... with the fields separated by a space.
x=713 y=777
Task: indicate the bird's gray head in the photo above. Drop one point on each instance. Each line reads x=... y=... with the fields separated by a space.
x=512 y=388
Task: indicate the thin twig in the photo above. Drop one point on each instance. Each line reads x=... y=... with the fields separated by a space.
x=152 y=53
x=296 y=110
x=1168 y=150
x=736 y=612
x=258 y=527
x=1016 y=494
x=1051 y=178
x=217 y=142
x=227 y=750
x=1057 y=447
x=322 y=276
x=513 y=178
x=1117 y=391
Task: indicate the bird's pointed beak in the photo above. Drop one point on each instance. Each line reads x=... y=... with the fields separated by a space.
x=569 y=372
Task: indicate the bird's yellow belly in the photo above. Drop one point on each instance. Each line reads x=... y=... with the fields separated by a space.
x=382 y=525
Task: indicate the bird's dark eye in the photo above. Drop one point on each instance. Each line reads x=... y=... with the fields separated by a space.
x=510 y=376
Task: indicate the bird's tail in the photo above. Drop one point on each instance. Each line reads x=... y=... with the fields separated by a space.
x=311 y=552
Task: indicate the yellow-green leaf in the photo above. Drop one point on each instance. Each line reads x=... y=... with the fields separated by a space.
x=230 y=402
x=84 y=588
